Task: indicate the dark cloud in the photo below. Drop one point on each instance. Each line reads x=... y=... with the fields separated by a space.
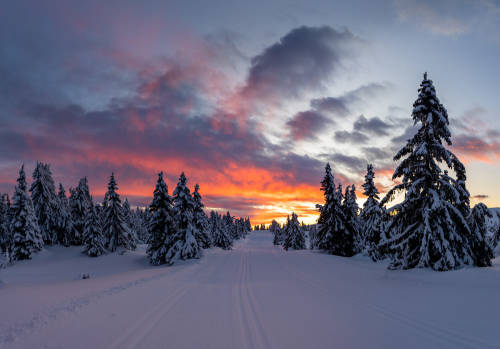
x=353 y=137
x=305 y=124
x=375 y=126
x=377 y=154
x=334 y=105
x=304 y=59
x=480 y=196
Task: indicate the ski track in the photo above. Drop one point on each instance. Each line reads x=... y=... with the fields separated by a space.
x=251 y=328
x=43 y=318
x=432 y=331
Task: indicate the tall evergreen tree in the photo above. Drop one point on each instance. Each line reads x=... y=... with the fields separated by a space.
x=371 y=217
x=295 y=238
x=26 y=235
x=228 y=225
x=64 y=222
x=161 y=225
x=333 y=234
x=482 y=250
x=184 y=245
x=200 y=220
x=116 y=230
x=93 y=236
x=351 y=210
x=140 y=225
x=429 y=228
x=80 y=203
x=43 y=196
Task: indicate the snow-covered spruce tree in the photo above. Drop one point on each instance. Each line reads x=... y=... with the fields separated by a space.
x=482 y=250
x=43 y=196
x=92 y=235
x=184 y=244
x=274 y=228
x=428 y=228
x=200 y=220
x=116 y=230
x=295 y=238
x=371 y=223
x=228 y=226
x=26 y=235
x=5 y=235
x=64 y=222
x=80 y=202
x=333 y=234
x=351 y=210
x=140 y=225
x=161 y=224
x=312 y=236
x=220 y=235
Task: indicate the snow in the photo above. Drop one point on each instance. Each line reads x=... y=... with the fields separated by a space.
x=253 y=296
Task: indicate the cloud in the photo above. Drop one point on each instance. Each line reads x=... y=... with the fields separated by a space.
x=476 y=147
x=353 y=137
x=480 y=196
x=303 y=60
x=374 y=126
x=333 y=105
x=305 y=124
x=436 y=19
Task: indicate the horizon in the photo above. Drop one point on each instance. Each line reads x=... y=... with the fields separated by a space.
x=252 y=115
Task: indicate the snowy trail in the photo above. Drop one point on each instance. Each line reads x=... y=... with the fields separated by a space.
x=258 y=296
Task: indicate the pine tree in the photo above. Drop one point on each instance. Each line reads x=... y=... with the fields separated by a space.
x=80 y=203
x=295 y=238
x=228 y=225
x=161 y=224
x=26 y=235
x=92 y=236
x=185 y=245
x=371 y=217
x=482 y=250
x=116 y=230
x=429 y=229
x=43 y=196
x=64 y=222
x=5 y=236
x=351 y=209
x=220 y=235
x=140 y=225
x=333 y=234
x=200 y=220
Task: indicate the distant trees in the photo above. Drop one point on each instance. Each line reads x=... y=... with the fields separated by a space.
x=294 y=234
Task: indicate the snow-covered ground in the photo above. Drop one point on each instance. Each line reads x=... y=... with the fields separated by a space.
x=255 y=296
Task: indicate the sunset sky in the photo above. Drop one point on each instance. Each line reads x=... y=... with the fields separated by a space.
x=249 y=98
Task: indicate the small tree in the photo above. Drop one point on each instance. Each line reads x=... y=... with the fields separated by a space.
x=295 y=238
x=185 y=245
x=482 y=251
x=43 y=196
x=351 y=210
x=80 y=203
x=220 y=236
x=200 y=220
x=116 y=230
x=64 y=222
x=26 y=235
x=371 y=217
x=161 y=225
x=93 y=237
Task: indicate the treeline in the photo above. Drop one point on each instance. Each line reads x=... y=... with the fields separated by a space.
x=433 y=226
x=174 y=227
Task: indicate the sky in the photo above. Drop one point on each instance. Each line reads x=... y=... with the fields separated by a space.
x=249 y=99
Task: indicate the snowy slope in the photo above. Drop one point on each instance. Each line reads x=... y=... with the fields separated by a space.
x=255 y=296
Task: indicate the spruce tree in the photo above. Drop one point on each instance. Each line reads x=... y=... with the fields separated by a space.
x=295 y=238
x=429 y=228
x=184 y=245
x=371 y=217
x=220 y=235
x=116 y=230
x=333 y=235
x=161 y=224
x=351 y=209
x=26 y=235
x=43 y=196
x=482 y=250
x=140 y=225
x=200 y=220
x=93 y=236
x=80 y=203
x=228 y=226
x=5 y=236
x=64 y=222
